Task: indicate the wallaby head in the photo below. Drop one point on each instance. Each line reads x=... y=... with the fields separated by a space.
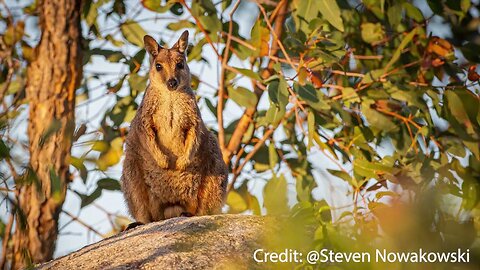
x=168 y=66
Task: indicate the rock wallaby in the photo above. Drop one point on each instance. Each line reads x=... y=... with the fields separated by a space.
x=173 y=165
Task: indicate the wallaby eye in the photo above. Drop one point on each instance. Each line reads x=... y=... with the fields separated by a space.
x=158 y=67
x=180 y=65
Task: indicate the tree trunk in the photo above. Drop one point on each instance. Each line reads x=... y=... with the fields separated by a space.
x=52 y=79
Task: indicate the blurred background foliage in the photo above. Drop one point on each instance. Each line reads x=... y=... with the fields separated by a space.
x=385 y=92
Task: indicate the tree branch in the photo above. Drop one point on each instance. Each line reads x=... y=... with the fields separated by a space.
x=247 y=116
x=221 y=87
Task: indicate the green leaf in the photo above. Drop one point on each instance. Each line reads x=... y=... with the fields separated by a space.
x=413 y=12
x=211 y=23
x=471 y=195
x=413 y=98
x=394 y=14
x=15 y=86
x=250 y=200
x=116 y=87
x=255 y=206
x=247 y=136
x=137 y=83
x=249 y=73
x=136 y=61
x=212 y=108
x=304 y=186
x=115 y=42
x=272 y=155
x=208 y=6
x=179 y=25
x=474 y=147
x=243 y=97
x=80 y=166
x=108 y=184
x=260 y=36
x=311 y=96
x=133 y=32
x=369 y=170
x=471 y=105
x=88 y=199
x=457 y=110
x=57 y=187
x=372 y=32
x=274 y=114
x=372 y=76
x=331 y=12
x=278 y=92
x=156 y=6
x=91 y=17
x=115 y=57
x=341 y=174
x=275 y=196
x=196 y=52
x=400 y=48
x=4 y=150
x=236 y=203
x=465 y=5
x=112 y=155
x=311 y=128
x=304 y=12
x=261 y=159
x=13 y=33
x=376 y=120
x=436 y=6
x=349 y=95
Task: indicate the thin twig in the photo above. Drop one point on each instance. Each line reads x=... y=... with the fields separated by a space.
x=257 y=146
x=247 y=117
x=239 y=41
x=275 y=36
x=83 y=223
x=221 y=83
x=200 y=26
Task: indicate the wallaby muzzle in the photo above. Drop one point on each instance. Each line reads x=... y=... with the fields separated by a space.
x=172 y=83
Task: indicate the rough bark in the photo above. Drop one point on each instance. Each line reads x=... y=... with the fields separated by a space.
x=52 y=79
x=206 y=242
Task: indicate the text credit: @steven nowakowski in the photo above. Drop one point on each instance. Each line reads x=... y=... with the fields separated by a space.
x=379 y=255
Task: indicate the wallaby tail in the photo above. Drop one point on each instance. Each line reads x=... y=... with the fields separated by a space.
x=172 y=211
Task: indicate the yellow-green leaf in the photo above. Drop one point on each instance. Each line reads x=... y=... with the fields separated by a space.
x=243 y=97
x=331 y=12
x=236 y=203
x=133 y=32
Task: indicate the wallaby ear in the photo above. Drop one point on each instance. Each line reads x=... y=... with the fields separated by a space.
x=151 y=46
x=182 y=42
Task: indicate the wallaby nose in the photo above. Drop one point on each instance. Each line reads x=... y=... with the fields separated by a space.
x=172 y=83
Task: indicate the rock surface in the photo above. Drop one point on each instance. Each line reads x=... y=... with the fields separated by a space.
x=207 y=242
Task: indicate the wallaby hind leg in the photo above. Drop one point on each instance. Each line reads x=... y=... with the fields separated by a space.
x=211 y=195
x=136 y=193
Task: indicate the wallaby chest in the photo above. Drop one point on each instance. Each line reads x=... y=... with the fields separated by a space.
x=172 y=120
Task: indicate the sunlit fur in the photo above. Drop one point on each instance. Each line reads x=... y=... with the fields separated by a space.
x=173 y=164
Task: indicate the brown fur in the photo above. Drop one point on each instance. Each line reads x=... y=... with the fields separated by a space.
x=173 y=164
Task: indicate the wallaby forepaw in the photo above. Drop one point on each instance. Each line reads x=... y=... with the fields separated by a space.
x=133 y=225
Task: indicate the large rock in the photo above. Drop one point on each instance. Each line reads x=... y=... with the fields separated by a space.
x=219 y=242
